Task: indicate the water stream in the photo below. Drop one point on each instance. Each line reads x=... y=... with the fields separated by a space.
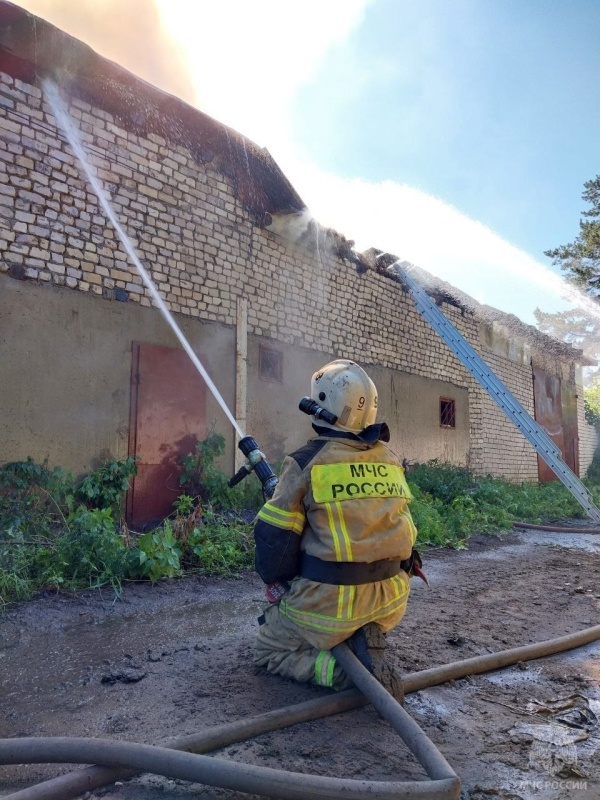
x=64 y=120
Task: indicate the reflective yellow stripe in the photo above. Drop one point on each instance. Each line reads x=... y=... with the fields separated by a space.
x=324 y=666
x=345 y=603
x=351 y=597
x=323 y=622
x=289 y=520
x=330 y=668
x=356 y=481
x=340 y=604
x=334 y=534
x=344 y=529
x=411 y=526
x=339 y=532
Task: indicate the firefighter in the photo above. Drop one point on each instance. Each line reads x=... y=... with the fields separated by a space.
x=338 y=536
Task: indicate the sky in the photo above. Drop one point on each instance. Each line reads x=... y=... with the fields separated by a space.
x=455 y=134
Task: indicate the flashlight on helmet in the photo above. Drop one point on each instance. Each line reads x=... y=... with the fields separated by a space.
x=313 y=409
x=257 y=463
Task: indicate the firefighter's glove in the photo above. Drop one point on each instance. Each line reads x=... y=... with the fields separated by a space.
x=414 y=566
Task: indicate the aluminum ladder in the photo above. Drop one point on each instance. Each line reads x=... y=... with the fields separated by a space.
x=534 y=433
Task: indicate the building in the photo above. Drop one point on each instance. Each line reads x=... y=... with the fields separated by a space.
x=264 y=295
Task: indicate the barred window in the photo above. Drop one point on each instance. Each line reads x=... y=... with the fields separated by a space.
x=447 y=412
x=270 y=364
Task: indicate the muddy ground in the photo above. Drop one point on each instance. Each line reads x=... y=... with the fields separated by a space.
x=177 y=658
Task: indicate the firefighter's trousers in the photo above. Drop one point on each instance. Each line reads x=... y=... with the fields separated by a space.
x=281 y=648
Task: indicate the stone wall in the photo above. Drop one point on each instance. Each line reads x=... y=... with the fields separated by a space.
x=204 y=251
x=497 y=447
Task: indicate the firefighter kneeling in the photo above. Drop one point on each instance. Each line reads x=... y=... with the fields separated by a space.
x=339 y=536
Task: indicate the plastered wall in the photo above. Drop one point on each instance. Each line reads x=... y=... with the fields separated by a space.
x=65 y=372
x=203 y=251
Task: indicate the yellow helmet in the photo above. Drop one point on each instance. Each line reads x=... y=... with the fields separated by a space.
x=345 y=389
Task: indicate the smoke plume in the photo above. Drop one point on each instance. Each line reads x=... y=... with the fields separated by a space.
x=128 y=32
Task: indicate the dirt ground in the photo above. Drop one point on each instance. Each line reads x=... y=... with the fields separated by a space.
x=176 y=658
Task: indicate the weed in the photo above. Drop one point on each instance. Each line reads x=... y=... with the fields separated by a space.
x=451 y=503
x=184 y=505
x=221 y=545
x=106 y=486
x=57 y=533
x=200 y=477
x=60 y=534
x=443 y=481
x=91 y=553
x=158 y=554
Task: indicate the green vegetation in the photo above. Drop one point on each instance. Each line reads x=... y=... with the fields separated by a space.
x=57 y=533
x=451 y=503
x=60 y=534
x=591 y=397
x=580 y=262
x=200 y=477
x=580 y=259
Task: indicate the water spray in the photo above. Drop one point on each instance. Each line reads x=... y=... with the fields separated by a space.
x=256 y=460
x=496 y=389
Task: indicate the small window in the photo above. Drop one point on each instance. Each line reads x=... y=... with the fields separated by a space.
x=270 y=364
x=447 y=413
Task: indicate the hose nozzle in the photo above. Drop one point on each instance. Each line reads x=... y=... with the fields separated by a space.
x=257 y=463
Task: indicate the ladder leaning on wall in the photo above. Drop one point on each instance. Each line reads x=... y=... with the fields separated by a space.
x=501 y=395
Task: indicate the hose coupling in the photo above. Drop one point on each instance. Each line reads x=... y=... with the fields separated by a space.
x=257 y=463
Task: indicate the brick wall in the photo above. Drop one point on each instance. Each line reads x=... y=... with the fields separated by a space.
x=203 y=251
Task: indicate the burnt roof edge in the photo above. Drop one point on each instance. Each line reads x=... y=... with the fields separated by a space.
x=442 y=292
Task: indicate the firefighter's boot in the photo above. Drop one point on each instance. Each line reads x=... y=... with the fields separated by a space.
x=368 y=645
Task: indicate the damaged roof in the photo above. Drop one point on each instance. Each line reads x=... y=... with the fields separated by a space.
x=32 y=50
x=442 y=292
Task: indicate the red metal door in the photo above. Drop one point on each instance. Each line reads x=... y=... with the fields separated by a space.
x=168 y=409
x=568 y=398
x=548 y=414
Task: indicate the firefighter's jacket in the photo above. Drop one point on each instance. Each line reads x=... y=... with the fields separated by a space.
x=339 y=499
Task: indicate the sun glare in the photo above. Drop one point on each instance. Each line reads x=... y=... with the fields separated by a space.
x=247 y=60
x=246 y=75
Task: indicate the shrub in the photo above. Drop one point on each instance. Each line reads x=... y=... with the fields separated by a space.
x=451 y=503
x=57 y=533
x=60 y=534
x=158 y=554
x=107 y=485
x=89 y=554
x=441 y=480
x=221 y=545
x=201 y=478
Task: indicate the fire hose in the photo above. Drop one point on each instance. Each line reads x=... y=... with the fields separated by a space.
x=169 y=760
x=528 y=526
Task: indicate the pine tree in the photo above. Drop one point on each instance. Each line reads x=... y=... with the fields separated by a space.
x=580 y=260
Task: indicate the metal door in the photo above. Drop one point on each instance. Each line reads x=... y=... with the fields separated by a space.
x=168 y=418
x=548 y=414
x=568 y=398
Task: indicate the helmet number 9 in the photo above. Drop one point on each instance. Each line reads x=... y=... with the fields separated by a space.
x=361 y=403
